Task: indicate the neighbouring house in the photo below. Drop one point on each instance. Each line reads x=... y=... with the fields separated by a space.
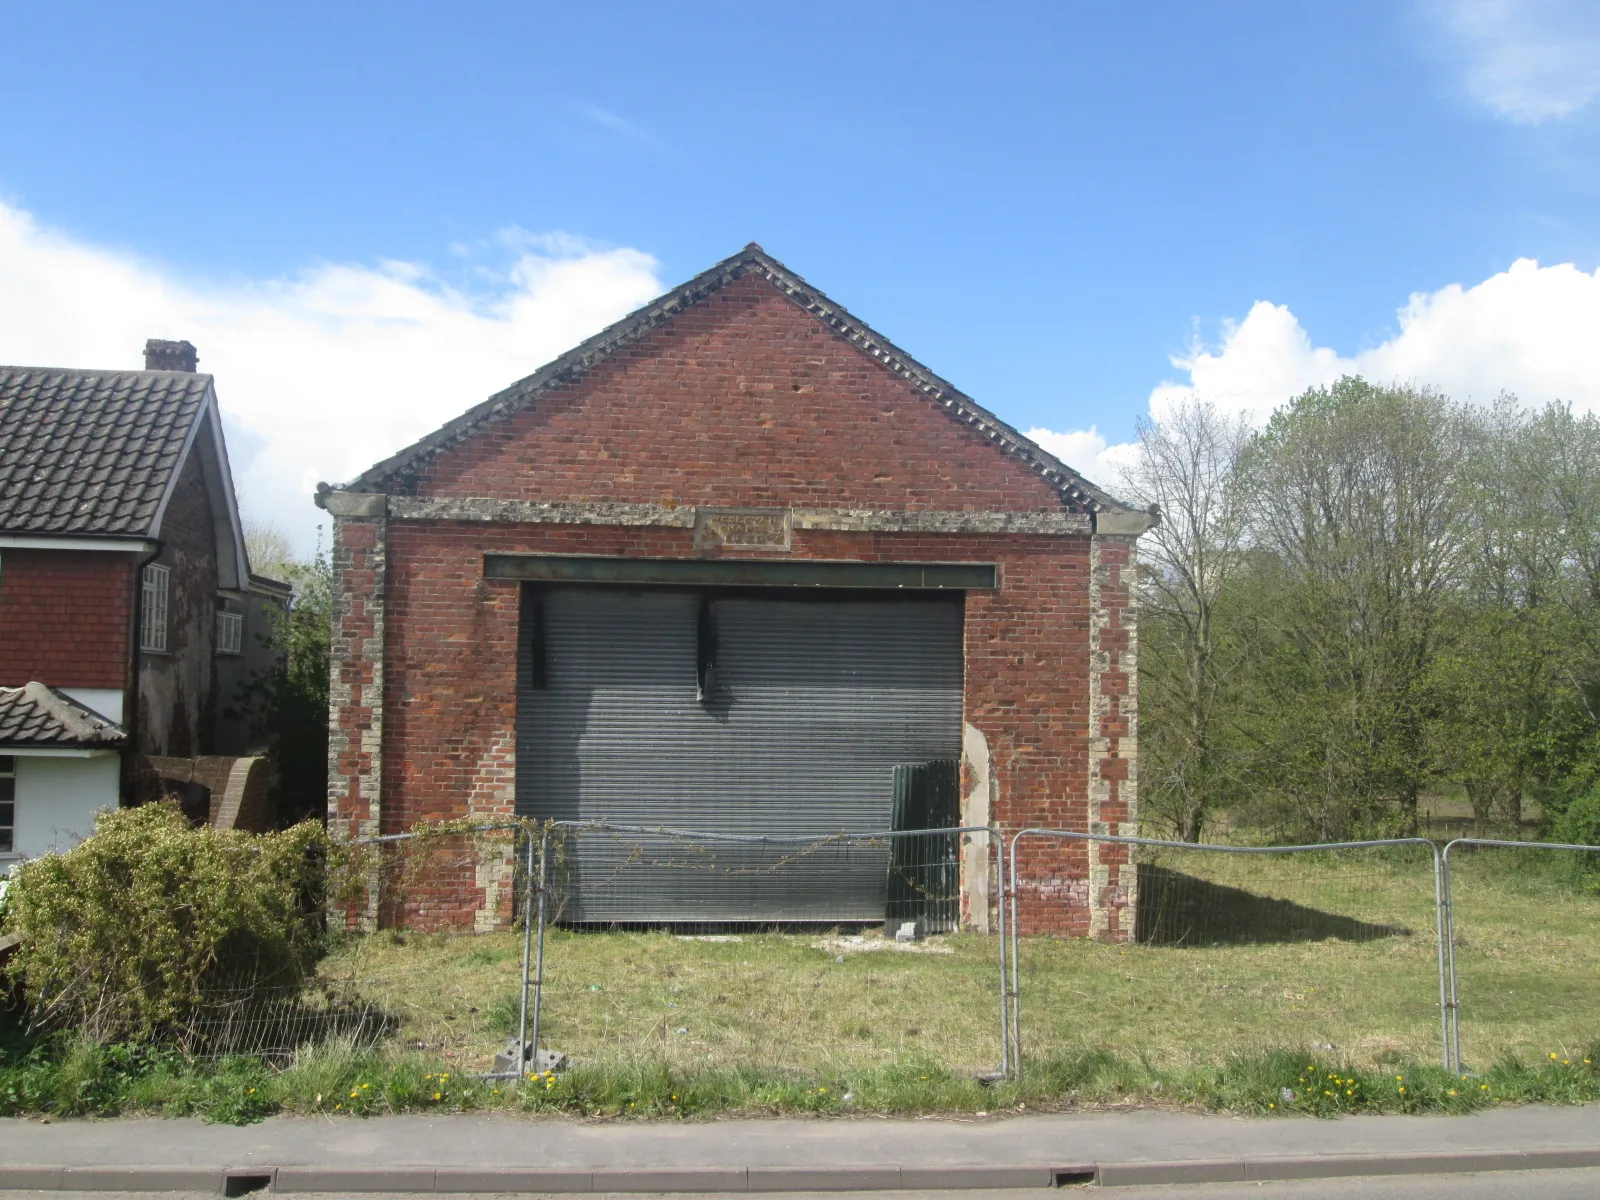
x=128 y=615
x=735 y=564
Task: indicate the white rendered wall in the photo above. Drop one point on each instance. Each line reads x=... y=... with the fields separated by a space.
x=57 y=799
x=105 y=701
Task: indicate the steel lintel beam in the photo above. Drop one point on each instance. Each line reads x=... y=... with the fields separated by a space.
x=730 y=572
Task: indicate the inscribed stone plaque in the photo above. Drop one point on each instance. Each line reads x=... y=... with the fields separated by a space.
x=742 y=528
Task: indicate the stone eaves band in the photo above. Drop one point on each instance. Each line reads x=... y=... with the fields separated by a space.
x=567 y=512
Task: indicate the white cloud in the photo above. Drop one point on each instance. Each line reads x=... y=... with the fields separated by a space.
x=1530 y=330
x=1087 y=452
x=1527 y=61
x=325 y=373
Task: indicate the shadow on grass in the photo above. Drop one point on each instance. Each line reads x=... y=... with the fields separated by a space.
x=1181 y=910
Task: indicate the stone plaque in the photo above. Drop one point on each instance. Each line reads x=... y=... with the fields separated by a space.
x=742 y=528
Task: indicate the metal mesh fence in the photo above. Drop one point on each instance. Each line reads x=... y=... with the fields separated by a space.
x=1179 y=953
x=1524 y=919
x=702 y=951
x=709 y=952
x=439 y=974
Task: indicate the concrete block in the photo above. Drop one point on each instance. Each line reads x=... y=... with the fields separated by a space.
x=1149 y=1173
x=824 y=1179
x=669 y=1179
x=30 y=1179
x=354 y=1179
x=966 y=1178
x=141 y=1179
x=510 y=1179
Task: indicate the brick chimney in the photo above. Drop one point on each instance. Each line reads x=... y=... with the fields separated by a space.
x=162 y=355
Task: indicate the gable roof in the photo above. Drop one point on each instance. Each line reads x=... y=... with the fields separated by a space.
x=36 y=715
x=93 y=452
x=1074 y=488
x=97 y=454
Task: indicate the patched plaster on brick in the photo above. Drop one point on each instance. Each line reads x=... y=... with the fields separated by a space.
x=977 y=851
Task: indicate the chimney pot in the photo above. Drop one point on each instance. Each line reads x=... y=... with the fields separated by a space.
x=161 y=355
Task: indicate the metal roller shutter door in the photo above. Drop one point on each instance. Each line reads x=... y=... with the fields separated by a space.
x=814 y=703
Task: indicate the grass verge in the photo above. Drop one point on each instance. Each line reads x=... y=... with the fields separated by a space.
x=77 y=1079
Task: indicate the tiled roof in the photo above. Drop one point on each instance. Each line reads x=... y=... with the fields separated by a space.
x=1077 y=491
x=91 y=452
x=36 y=715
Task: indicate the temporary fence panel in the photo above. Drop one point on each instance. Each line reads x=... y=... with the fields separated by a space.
x=743 y=714
x=415 y=983
x=1524 y=925
x=1177 y=952
x=831 y=992
x=925 y=868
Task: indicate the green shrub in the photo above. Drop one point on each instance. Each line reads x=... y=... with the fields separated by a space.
x=1579 y=825
x=140 y=933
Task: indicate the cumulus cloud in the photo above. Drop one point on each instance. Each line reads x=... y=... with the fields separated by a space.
x=1529 y=330
x=1527 y=61
x=322 y=374
x=1087 y=452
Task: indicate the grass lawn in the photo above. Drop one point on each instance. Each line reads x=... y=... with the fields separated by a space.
x=1269 y=985
x=1527 y=953
x=1334 y=953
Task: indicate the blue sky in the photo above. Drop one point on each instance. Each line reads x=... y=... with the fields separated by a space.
x=1047 y=203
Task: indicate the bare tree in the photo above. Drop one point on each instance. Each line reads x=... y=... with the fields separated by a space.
x=1188 y=468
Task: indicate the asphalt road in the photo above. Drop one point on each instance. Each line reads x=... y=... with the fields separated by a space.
x=1581 y=1184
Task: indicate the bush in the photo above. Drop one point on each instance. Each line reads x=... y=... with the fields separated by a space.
x=1578 y=824
x=135 y=934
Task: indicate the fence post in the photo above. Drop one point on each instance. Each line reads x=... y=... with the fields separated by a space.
x=538 y=962
x=1014 y=994
x=527 y=948
x=1444 y=930
x=999 y=844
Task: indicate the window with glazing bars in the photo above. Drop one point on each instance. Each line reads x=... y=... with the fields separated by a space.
x=153 y=615
x=230 y=632
x=8 y=803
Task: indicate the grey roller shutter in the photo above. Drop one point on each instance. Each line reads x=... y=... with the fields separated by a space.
x=812 y=705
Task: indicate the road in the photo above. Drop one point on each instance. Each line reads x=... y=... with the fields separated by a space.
x=1582 y=1184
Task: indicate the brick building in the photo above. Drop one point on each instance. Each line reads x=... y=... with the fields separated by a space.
x=725 y=566
x=128 y=614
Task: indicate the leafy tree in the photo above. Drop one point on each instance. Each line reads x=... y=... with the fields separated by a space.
x=289 y=704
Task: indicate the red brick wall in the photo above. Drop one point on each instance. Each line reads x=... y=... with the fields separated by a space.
x=741 y=400
x=744 y=399
x=65 y=618
x=450 y=669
